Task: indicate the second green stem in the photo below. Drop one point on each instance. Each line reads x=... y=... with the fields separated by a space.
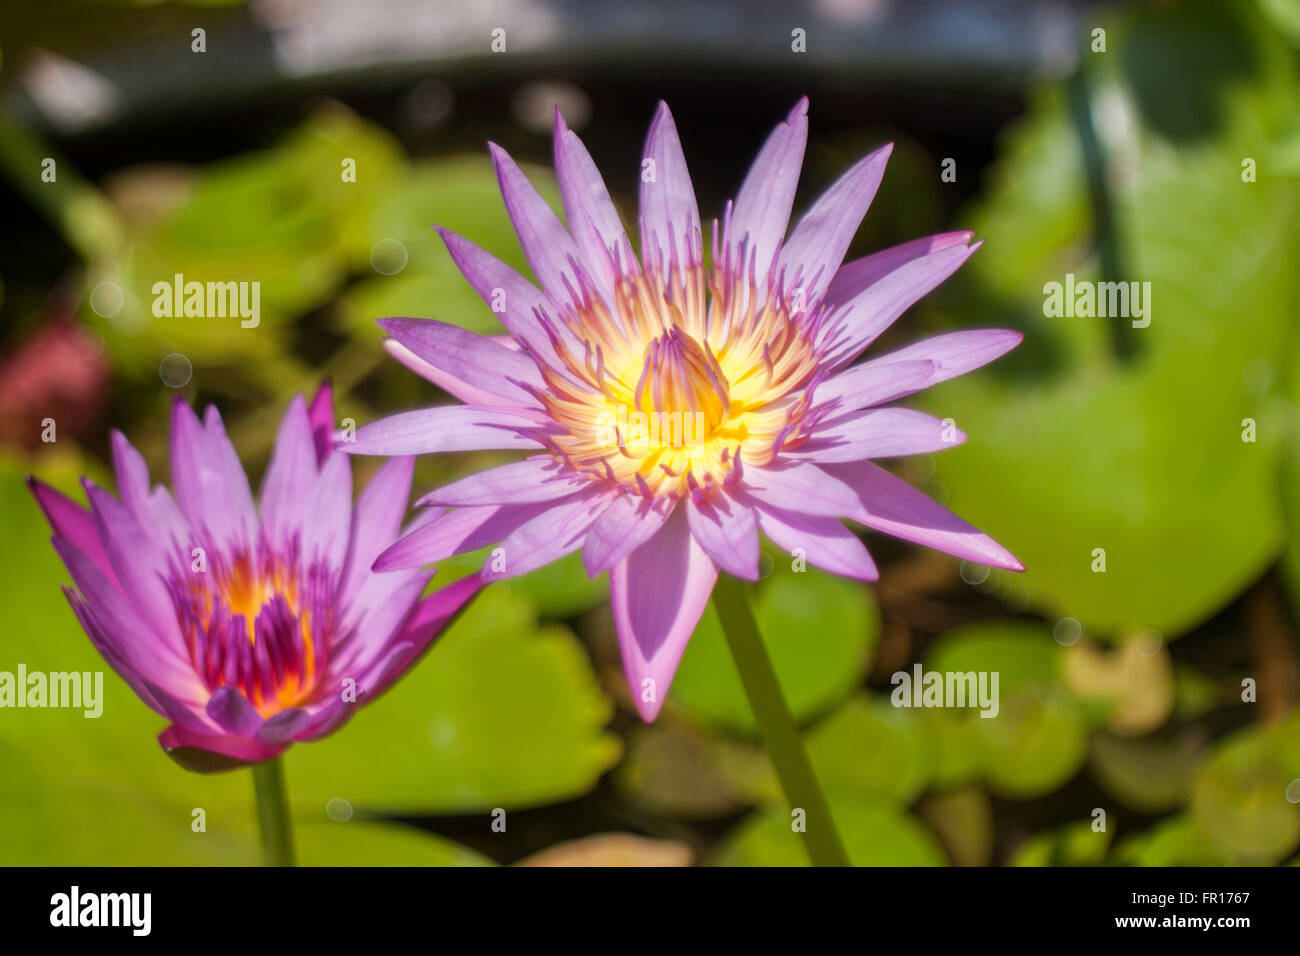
x=776 y=724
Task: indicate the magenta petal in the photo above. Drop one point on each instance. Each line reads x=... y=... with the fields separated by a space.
x=624 y=526
x=108 y=648
x=188 y=714
x=153 y=508
x=551 y=535
x=523 y=482
x=658 y=594
x=948 y=355
x=72 y=522
x=824 y=542
x=726 y=530
x=816 y=247
x=428 y=621
x=376 y=521
x=374 y=617
x=327 y=534
x=802 y=488
x=140 y=562
x=213 y=753
x=138 y=653
x=444 y=428
x=321 y=416
x=466 y=357
x=878 y=433
x=671 y=232
x=291 y=476
x=762 y=210
x=211 y=487
x=231 y=711
x=280 y=729
x=893 y=506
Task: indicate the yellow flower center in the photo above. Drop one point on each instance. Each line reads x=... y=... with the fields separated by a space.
x=678 y=390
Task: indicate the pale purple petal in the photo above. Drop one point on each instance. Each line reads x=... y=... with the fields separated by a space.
x=523 y=482
x=824 y=542
x=801 y=487
x=877 y=433
x=516 y=302
x=549 y=248
x=762 y=210
x=467 y=393
x=463 y=356
x=726 y=530
x=671 y=231
x=816 y=247
x=444 y=428
x=549 y=536
x=658 y=594
x=443 y=534
x=947 y=356
x=856 y=321
x=839 y=395
x=854 y=278
x=893 y=506
x=624 y=526
x=108 y=649
x=592 y=218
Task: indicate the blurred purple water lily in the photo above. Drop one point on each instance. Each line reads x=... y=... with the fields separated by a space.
x=247 y=626
x=678 y=409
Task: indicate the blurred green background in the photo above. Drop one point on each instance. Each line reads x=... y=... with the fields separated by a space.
x=1122 y=690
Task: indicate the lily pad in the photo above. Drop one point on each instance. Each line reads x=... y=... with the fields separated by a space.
x=820 y=631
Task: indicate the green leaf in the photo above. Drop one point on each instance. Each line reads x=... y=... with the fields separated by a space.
x=1153 y=775
x=869 y=748
x=500 y=713
x=675 y=769
x=875 y=833
x=1075 y=844
x=1038 y=738
x=820 y=631
x=369 y=843
x=1239 y=800
x=1128 y=458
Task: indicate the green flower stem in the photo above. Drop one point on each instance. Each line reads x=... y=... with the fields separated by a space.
x=776 y=725
x=273 y=815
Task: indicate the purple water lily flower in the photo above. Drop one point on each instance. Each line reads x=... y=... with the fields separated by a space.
x=676 y=409
x=247 y=626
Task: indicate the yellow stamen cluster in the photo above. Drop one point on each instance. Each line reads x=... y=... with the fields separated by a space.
x=666 y=394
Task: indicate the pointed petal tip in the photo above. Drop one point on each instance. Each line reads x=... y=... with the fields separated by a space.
x=648 y=711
